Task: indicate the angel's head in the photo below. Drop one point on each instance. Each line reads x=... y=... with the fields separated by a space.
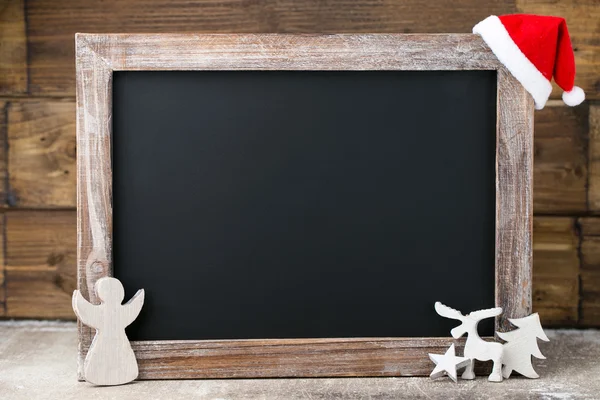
x=110 y=290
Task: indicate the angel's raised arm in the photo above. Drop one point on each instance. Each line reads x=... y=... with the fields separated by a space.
x=132 y=308
x=87 y=313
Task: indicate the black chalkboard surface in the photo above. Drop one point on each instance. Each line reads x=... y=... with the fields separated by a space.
x=291 y=204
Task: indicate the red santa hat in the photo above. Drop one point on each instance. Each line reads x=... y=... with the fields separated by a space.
x=534 y=48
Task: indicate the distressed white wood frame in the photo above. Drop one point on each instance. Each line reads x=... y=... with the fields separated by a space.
x=99 y=55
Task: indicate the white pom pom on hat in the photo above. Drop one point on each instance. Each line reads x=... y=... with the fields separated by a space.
x=534 y=48
x=575 y=97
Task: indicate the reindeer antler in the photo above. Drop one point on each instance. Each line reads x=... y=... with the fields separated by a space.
x=448 y=312
x=488 y=313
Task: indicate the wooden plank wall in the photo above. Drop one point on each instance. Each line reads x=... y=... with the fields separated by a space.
x=37 y=131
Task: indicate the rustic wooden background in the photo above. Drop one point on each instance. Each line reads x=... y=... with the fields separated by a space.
x=37 y=130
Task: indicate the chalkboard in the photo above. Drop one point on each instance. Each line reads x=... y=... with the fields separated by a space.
x=303 y=204
x=294 y=204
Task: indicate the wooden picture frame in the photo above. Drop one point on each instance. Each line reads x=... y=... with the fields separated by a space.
x=99 y=55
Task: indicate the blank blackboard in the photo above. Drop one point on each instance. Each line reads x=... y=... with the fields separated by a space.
x=303 y=204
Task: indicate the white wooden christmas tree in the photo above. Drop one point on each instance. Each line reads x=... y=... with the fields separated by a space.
x=521 y=344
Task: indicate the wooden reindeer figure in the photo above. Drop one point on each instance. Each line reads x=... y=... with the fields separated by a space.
x=110 y=359
x=475 y=347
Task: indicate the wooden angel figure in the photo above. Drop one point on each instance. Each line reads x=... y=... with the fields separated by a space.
x=475 y=348
x=521 y=344
x=110 y=359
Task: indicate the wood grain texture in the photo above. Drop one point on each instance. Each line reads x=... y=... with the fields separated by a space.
x=289 y=52
x=582 y=19
x=3 y=128
x=2 y=268
x=594 y=159
x=590 y=271
x=41 y=154
x=560 y=166
x=4 y=107
x=94 y=181
x=52 y=24
x=556 y=270
x=514 y=199
x=99 y=55
x=40 y=263
x=289 y=357
x=13 y=47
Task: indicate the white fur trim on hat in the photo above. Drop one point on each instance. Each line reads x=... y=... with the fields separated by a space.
x=497 y=38
x=575 y=97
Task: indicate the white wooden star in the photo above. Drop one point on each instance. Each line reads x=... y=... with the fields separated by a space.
x=447 y=364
